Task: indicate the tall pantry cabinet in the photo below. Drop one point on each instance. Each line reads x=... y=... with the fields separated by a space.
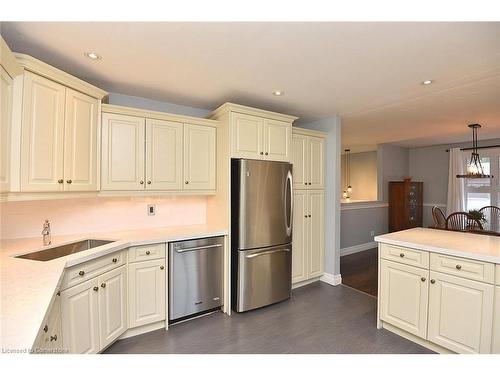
x=308 y=210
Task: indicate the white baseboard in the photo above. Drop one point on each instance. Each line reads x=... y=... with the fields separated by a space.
x=357 y=248
x=305 y=282
x=331 y=279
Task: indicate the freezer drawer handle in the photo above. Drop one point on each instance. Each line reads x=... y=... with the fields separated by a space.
x=265 y=253
x=198 y=248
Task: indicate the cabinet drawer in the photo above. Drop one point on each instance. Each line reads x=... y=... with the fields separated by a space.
x=497 y=272
x=85 y=271
x=405 y=255
x=146 y=252
x=467 y=268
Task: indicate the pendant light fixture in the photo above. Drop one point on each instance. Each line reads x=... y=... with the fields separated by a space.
x=347 y=168
x=474 y=166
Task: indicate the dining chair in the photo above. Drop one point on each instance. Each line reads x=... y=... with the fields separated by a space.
x=438 y=217
x=492 y=215
x=461 y=221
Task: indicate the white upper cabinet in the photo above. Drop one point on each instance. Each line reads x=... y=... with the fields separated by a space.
x=199 y=157
x=42 y=159
x=80 y=142
x=122 y=152
x=247 y=136
x=163 y=155
x=277 y=138
x=6 y=93
x=308 y=161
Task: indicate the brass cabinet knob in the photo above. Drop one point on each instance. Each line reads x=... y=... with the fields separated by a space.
x=261 y=153
x=60 y=180
x=305 y=215
x=69 y=181
x=58 y=293
x=81 y=273
x=310 y=183
x=148 y=252
x=46 y=328
x=458 y=267
x=162 y=267
x=96 y=288
x=402 y=255
x=267 y=153
x=141 y=182
x=103 y=285
x=114 y=260
x=149 y=182
x=187 y=182
x=433 y=281
x=53 y=338
x=308 y=215
x=423 y=279
x=305 y=183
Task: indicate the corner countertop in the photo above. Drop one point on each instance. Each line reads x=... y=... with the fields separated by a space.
x=466 y=245
x=28 y=286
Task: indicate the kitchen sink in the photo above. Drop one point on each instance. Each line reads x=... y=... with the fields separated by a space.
x=63 y=250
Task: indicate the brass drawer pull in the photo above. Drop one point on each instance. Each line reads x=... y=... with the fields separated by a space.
x=458 y=267
x=433 y=281
x=402 y=255
x=148 y=252
x=81 y=273
x=69 y=181
x=114 y=260
x=103 y=285
x=162 y=267
x=96 y=288
x=60 y=181
x=53 y=338
x=46 y=328
x=423 y=279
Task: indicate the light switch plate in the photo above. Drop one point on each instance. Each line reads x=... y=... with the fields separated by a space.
x=151 y=209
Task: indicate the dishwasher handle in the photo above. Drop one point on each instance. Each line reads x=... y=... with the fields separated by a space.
x=198 y=248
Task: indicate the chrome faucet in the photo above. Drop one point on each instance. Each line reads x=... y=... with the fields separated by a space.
x=46 y=233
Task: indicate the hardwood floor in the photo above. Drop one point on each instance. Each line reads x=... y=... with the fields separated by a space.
x=360 y=271
x=319 y=318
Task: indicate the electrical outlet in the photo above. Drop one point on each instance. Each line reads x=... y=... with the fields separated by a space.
x=372 y=233
x=151 y=209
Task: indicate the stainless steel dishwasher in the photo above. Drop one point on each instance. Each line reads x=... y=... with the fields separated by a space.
x=195 y=277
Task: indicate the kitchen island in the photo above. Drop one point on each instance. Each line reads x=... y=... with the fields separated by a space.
x=440 y=289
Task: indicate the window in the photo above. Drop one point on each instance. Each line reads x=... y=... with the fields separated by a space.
x=480 y=192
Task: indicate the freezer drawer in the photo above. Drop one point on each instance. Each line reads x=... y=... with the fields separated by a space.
x=195 y=276
x=264 y=277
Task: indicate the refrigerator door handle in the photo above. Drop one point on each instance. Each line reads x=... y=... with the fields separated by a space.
x=289 y=221
x=266 y=253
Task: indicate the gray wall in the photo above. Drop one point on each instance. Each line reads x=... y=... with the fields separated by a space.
x=155 y=105
x=356 y=225
x=332 y=191
x=393 y=165
x=363 y=177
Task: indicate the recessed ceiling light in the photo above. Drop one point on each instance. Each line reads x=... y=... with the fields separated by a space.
x=92 y=55
x=427 y=82
x=278 y=93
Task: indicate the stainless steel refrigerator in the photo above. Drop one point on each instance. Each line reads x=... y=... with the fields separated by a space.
x=261 y=232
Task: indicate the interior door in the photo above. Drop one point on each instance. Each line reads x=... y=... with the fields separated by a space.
x=316 y=223
x=277 y=139
x=199 y=157
x=122 y=152
x=300 y=237
x=42 y=134
x=404 y=297
x=112 y=305
x=460 y=313
x=247 y=136
x=80 y=142
x=163 y=155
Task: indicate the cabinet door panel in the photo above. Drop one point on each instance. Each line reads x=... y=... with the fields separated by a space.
x=496 y=322
x=163 y=155
x=300 y=161
x=316 y=233
x=112 y=305
x=403 y=297
x=80 y=142
x=122 y=152
x=146 y=292
x=460 y=314
x=316 y=163
x=199 y=157
x=247 y=137
x=277 y=140
x=42 y=134
x=80 y=318
x=5 y=121
x=300 y=244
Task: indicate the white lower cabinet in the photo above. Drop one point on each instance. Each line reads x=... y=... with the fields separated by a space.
x=460 y=313
x=50 y=339
x=496 y=320
x=404 y=297
x=146 y=292
x=94 y=312
x=308 y=235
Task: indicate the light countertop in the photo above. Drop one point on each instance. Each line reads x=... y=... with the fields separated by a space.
x=27 y=286
x=467 y=245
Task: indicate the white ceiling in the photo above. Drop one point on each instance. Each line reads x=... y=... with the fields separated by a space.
x=369 y=73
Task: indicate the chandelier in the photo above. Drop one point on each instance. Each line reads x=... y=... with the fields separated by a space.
x=474 y=166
